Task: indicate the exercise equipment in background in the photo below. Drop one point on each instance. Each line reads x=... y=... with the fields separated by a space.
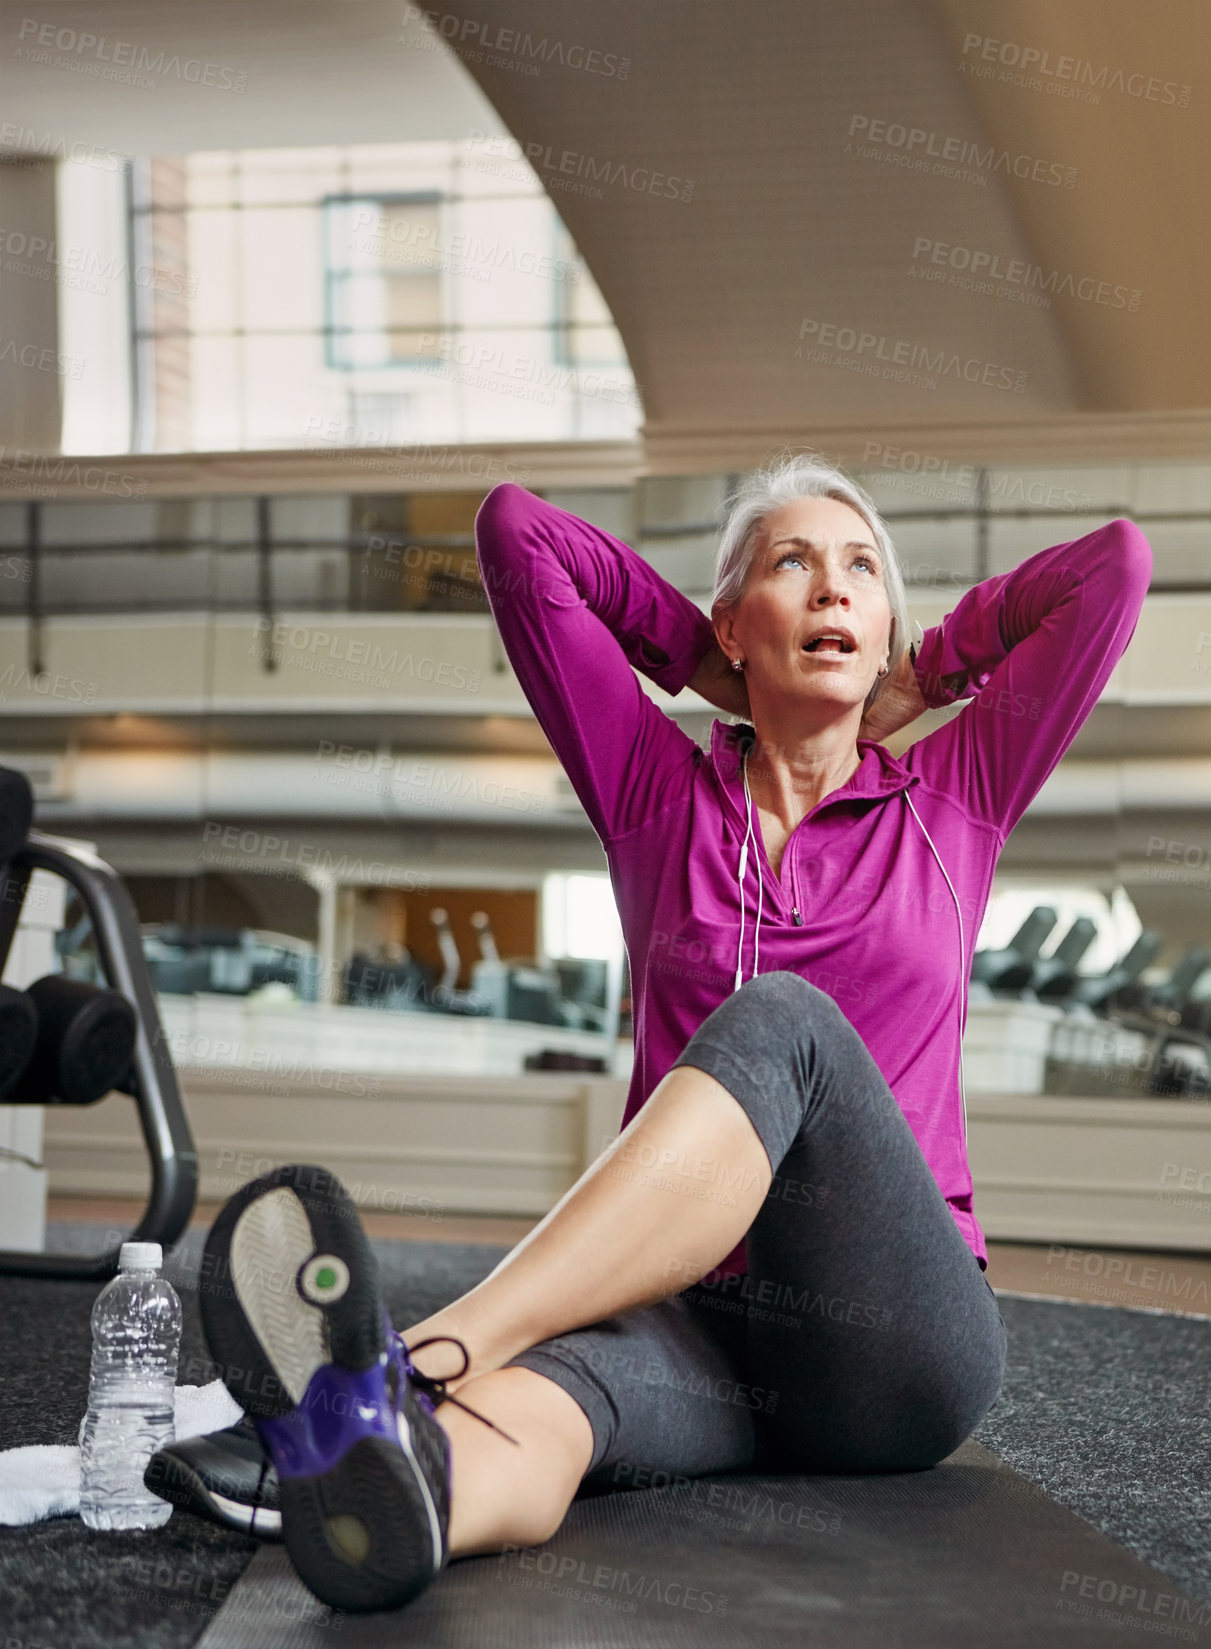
x=66 y=1041
x=1119 y=1034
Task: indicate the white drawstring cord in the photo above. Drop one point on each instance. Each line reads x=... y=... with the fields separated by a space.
x=962 y=961
x=760 y=879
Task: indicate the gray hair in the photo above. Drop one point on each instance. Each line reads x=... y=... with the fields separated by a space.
x=804 y=475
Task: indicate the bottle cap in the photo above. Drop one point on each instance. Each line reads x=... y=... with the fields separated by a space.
x=141 y=1256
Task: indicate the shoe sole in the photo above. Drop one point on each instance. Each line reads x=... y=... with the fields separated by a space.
x=364 y=1535
x=173 y=1480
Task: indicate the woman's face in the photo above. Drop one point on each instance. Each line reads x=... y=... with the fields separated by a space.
x=816 y=567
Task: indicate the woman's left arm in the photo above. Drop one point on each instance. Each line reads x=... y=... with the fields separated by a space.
x=1033 y=649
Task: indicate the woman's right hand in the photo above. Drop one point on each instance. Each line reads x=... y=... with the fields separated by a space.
x=720 y=685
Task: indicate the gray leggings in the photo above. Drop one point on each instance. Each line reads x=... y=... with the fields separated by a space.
x=864 y=1337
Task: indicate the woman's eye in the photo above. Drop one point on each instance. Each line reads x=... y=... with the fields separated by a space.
x=792 y=556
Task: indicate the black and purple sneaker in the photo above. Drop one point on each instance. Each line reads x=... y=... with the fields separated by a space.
x=293 y=1317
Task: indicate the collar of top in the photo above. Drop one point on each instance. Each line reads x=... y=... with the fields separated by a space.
x=878 y=773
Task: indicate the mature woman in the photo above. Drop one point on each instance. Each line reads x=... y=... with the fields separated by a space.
x=776 y=1263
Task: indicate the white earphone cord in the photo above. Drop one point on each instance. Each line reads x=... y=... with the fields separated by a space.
x=748 y=836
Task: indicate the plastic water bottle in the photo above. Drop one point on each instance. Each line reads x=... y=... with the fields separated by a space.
x=136 y=1324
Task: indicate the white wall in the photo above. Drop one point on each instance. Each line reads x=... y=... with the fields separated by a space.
x=22 y=1187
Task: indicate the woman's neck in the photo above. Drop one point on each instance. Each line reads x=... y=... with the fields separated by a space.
x=788 y=782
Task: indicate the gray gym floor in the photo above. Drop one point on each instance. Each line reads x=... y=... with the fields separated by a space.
x=1079 y=1514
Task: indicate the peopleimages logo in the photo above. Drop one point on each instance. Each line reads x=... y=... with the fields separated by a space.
x=1070 y=76
x=472 y=39
x=22 y=470
x=333 y=653
x=123 y=61
x=237 y=847
x=41 y=358
x=16 y=679
x=987 y=266
x=1124 y=1603
x=954 y=153
x=379 y=771
x=417 y=241
x=596 y=169
x=78 y=266
x=36 y=147
x=1005 y=488
x=443 y=355
x=901 y=355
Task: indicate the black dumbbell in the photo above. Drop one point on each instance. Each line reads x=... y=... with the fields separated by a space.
x=16 y=812
x=18 y=1034
x=85 y=1045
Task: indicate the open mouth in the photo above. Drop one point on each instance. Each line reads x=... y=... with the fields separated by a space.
x=829 y=644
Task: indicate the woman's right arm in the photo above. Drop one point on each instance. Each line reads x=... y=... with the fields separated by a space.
x=576 y=608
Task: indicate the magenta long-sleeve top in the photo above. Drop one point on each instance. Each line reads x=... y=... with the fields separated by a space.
x=860 y=908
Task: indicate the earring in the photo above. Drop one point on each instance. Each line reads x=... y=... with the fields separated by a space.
x=883 y=671
x=737 y=664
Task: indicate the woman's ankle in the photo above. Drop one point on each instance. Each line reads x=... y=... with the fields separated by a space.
x=443 y=1360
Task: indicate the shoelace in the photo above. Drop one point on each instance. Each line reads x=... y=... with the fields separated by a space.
x=260 y=1484
x=432 y=1387
x=435 y=1389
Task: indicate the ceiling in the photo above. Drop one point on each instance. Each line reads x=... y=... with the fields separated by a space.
x=794 y=219
x=281 y=74
x=792 y=210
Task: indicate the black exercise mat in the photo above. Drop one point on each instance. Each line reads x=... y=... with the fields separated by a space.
x=1106 y=1408
x=967 y=1554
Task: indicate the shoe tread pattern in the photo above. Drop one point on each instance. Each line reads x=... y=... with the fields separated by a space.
x=271 y=1242
x=376 y=1486
x=352 y=1325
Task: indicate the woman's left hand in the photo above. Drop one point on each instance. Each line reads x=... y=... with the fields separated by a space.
x=720 y=685
x=900 y=702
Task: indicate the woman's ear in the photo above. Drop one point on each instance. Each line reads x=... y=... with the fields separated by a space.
x=724 y=620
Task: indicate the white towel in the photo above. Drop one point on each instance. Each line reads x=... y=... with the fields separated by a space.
x=43 y=1480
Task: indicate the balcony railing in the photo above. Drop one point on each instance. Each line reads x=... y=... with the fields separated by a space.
x=437 y=573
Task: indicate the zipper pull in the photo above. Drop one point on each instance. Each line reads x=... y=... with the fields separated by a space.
x=796 y=915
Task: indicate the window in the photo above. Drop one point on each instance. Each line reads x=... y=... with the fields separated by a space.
x=1115 y=918
x=384 y=272
x=584 y=330
x=579 y=917
x=363 y=296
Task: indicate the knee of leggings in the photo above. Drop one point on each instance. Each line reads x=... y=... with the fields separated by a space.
x=787 y=992
x=927 y=1447
x=907 y=1437
x=938 y=1434
x=947 y=1422
x=875 y=1452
